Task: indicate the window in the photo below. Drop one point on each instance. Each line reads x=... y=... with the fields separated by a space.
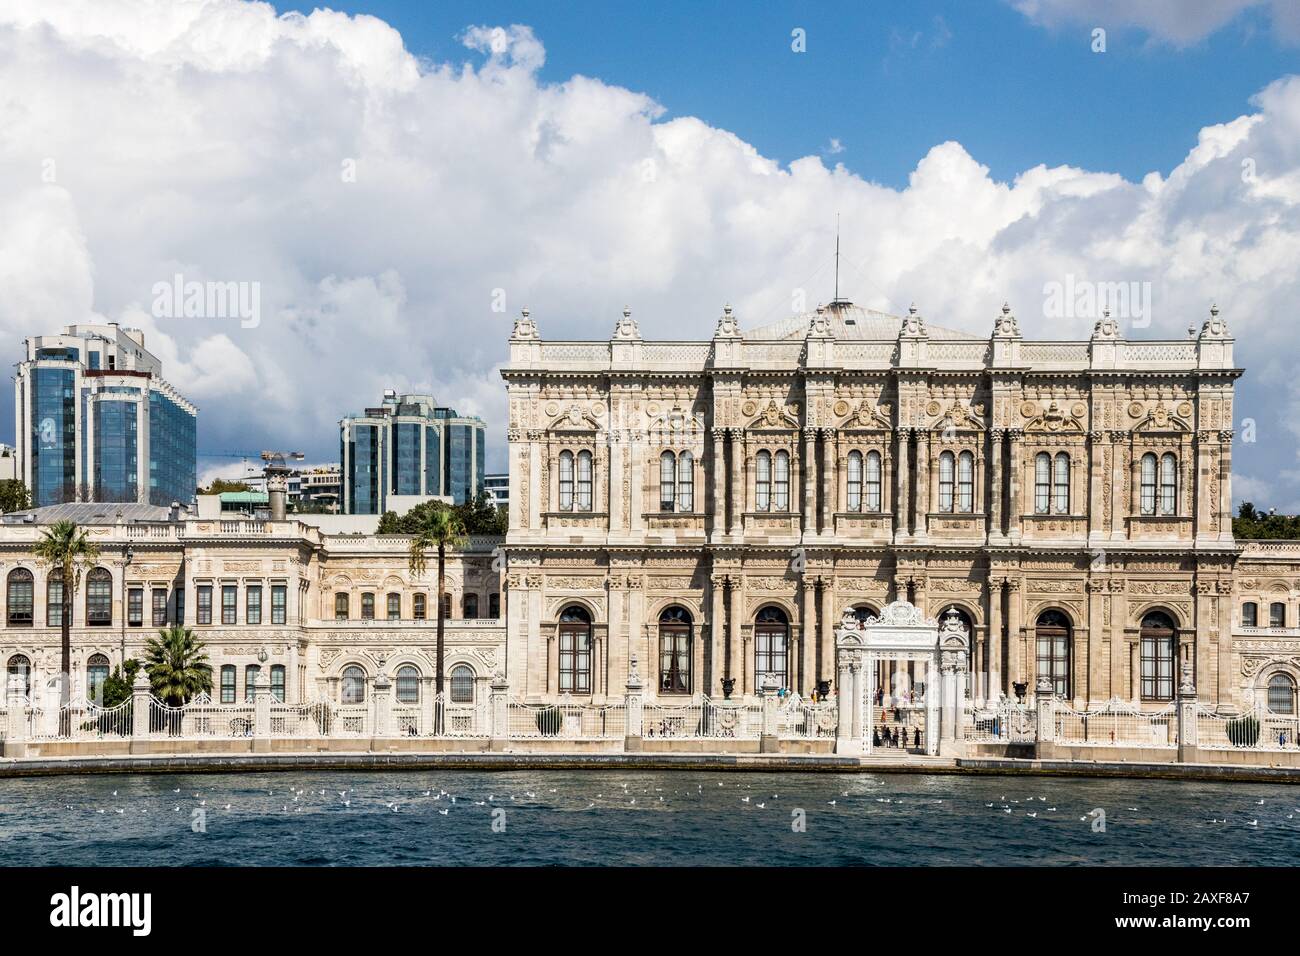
x=675 y=651
x=946 y=468
x=566 y=481
x=1158 y=653
x=1042 y=483
x=99 y=598
x=96 y=674
x=1168 y=485
x=685 y=482
x=54 y=599
x=341 y=606
x=873 y=481
x=1148 y=477
x=1061 y=484
x=667 y=481
x=180 y=603
x=469 y=606
x=408 y=684
x=353 y=689
x=159 y=599
x=444 y=607
x=229 y=603
x=763 y=481
x=1281 y=695
x=575 y=651
x=781 y=481
x=966 y=482
x=584 y=481
x=854 y=502
x=864 y=612
x=1250 y=614
x=1052 y=635
x=253 y=604
x=228 y=683
x=1277 y=614
x=494 y=605
x=135 y=607
x=367 y=606
x=277 y=682
x=205 y=604
x=462 y=684
x=279 y=602
x=252 y=673
x=20 y=666
x=418 y=606
x=771 y=645
x=394 y=607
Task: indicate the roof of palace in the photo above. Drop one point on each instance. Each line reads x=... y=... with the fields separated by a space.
x=849 y=321
x=89 y=512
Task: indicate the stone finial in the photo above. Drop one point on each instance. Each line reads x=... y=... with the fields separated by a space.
x=820 y=326
x=1106 y=327
x=728 y=327
x=1187 y=681
x=914 y=323
x=141 y=681
x=1043 y=687
x=626 y=327
x=1215 y=327
x=525 y=329
x=1005 y=325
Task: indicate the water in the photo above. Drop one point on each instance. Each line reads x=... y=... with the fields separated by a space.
x=633 y=817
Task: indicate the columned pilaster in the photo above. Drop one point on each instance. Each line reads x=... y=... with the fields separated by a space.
x=808 y=469
x=1014 y=469
x=903 y=496
x=735 y=472
x=996 y=454
x=830 y=480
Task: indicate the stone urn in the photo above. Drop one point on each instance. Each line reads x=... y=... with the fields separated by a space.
x=823 y=689
x=728 y=685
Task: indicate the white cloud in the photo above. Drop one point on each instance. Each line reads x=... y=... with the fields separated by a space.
x=380 y=203
x=1178 y=22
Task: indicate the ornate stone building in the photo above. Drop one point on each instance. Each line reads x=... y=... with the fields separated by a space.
x=710 y=507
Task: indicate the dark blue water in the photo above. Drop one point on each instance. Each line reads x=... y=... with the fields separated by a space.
x=633 y=817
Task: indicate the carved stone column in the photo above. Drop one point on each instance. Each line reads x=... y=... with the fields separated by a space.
x=903 y=499
x=993 y=678
x=735 y=473
x=830 y=481
x=995 y=484
x=1014 y=467
x=808 y=470
x=718 y=482
x=924 y=454
x=1015 y=640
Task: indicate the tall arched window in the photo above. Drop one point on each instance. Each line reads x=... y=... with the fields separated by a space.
x=341 y=606
x=584 y=481
x=1277 y=614
x=252 y=674
x=772 y=645
x=1281 y=695
x=947 y=467
x=1250 y=614
x=1042 y=483
x=781 y=482
x=873 y=482
x=1148 y=476
x=1052 y=635
x=675 y=651
x=685 y=482
x=54 y=599
x=19 y=598
x=96 y=674
x=418 y=607
x=227 y=683
x=99 y=598
x=394 y=606
x=470 y=605
x=575 y=651
x=1061 y=484
x=763 y=481
x=667 y=481
x=966 y=482
x=352 y=690
x=1159 y=653
x=462 y=684
x=566 y=481
x=20 y=666
x=494 y=605
x=367 y=606
x=855 y=481
x=444 y=607
x=1168 y=485
x=277 y=682
x=408 y=684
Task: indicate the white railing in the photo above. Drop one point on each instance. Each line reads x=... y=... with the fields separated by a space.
x=1009 y=722
x=1251 y=730
x=801 y=719
x=1117 y=725
x=566 y=720
x=709 y=718
x=79 y=720
x=200 y=719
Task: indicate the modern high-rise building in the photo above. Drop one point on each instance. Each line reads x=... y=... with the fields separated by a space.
x=409 y=447
x=96 y=421
x=498 y=489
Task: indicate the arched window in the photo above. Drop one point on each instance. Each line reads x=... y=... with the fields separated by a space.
x=418 y=607
x=227 y=683
x=1250 y=614
x=341 y=606
x=947 y=466
x=584 y=481
x=99 y=598
x=675 y=651
x=353 y=689
x=462 y=684
x=54 y=599
x=1148 y=475
x=966 y=482
x=444 y=607
x=566 y=481
x=575 y=651
x=408 y=684
x=1061 y=484
x=1277 y=614
x=667 y=481
x=1159 y=653
x=394 y=606
x=367 y=606
x=763 y=481
x=855 y=481
x=772 y=645
x=1168 y=485
x=1042 y=483
x=864 y=612
x=277 y=682
x=20 y=666
x=1052 y=635
x=781 y=482
x=685 y=482
x=19 y=599
x=96 y=674
x=469 y=604
x=1281 y=695
x=873 y=482
x=252 y=673
x=494 y=605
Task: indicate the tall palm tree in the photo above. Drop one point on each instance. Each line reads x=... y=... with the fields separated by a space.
x=177 y=665
x=439 y=528
x=65 y=546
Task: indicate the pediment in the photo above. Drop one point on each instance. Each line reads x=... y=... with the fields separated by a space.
x=574 y=419
x=1161 y=419
x=774 y=416
x=867 y=416
x=959 y=418
x=677 y=421
x=1054 y=418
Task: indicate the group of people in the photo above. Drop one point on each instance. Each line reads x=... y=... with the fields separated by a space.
x=887 y=736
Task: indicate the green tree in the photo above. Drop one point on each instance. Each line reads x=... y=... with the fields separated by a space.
x=65 y=546
x=1252 y=523
x=177 y=665
x=439 y=530
x=223 y=484
x=117 y=686
x=14 y=496
x=478 y=516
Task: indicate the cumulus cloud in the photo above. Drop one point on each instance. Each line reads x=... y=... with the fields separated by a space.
x=383 y=206
x=1178 y=22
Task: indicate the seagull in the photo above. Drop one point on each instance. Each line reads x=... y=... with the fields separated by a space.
x=115 y=793
x=1259 y=802
x=227 y=806
x=428 y=792
x=177 y=790
x=1252 y=823
x=1034 y=814
x=445 y=812
x=761 y=806
x=744 y=799
x=831 y=803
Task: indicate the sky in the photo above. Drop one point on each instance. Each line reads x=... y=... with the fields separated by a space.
x=391 y=182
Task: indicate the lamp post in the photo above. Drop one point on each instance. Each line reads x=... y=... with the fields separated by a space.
x=127 y=557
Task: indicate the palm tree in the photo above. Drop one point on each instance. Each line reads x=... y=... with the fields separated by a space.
x=439 y=528
x=177 y=665
x=65 y=546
